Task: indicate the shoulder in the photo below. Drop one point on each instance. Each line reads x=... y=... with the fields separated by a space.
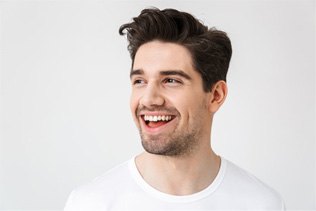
x=98 y=193
x=113 y=177
x=250 y=189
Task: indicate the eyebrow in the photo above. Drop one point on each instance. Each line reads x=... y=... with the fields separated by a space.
x=165 y=72
x=176 y=72
x=136 y=72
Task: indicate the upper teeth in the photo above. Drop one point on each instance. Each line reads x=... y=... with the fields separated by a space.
x=156 y=118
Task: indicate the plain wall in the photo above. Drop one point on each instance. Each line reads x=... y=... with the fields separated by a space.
x=65 y=88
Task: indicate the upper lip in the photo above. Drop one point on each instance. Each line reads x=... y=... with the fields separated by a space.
x=155 y=114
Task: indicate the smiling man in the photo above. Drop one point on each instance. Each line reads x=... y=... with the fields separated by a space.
x=178 y=80
x=169 y=105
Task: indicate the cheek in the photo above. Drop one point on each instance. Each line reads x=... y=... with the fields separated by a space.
x=134 y=103
x=183 y=105
x=193 y=108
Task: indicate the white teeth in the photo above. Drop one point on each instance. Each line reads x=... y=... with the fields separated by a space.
x=156 y=118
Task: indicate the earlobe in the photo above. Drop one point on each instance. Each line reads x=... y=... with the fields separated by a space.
x=218 y=96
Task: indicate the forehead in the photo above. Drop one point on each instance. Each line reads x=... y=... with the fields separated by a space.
x=156 y=56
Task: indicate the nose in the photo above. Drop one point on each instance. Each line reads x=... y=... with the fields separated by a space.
x=152 y=96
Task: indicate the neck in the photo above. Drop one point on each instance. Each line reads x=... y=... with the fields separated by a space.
x=179 y=175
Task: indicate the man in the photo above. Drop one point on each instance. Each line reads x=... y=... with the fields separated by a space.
x=178 y=76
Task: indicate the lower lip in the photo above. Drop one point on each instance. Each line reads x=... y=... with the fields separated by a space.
x=158 y=129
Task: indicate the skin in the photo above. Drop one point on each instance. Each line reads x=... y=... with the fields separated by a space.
x=178 y=159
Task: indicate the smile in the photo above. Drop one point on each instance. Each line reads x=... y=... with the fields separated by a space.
x=156 y=121
x=157 y=118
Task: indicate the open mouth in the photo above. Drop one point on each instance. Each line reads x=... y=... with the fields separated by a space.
x=157 y=121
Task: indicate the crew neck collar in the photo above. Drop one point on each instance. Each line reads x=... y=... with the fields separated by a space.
x=174 y=198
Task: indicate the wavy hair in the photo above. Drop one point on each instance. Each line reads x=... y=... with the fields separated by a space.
x=210 y=48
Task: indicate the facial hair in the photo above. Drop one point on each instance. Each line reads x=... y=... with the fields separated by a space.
x=178 y=143
x=175 y=145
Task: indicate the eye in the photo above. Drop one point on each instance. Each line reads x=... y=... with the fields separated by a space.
x=171 y=81
x=138 y=82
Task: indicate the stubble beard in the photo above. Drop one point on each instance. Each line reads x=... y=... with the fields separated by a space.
x=178 y=143
x=175 y=145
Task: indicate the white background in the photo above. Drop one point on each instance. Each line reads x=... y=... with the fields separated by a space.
x=65 y=89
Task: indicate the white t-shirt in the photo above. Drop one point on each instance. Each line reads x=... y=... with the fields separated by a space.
x=123 y=188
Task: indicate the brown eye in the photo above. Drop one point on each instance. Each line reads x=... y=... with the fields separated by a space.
x=171 y=81
x=138 y=82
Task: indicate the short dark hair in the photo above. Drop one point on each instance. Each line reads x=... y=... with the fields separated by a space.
x=210 y=48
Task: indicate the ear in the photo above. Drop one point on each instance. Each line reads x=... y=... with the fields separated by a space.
x=217 y=96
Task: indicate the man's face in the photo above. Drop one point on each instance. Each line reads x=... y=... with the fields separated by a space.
x=168 y=103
